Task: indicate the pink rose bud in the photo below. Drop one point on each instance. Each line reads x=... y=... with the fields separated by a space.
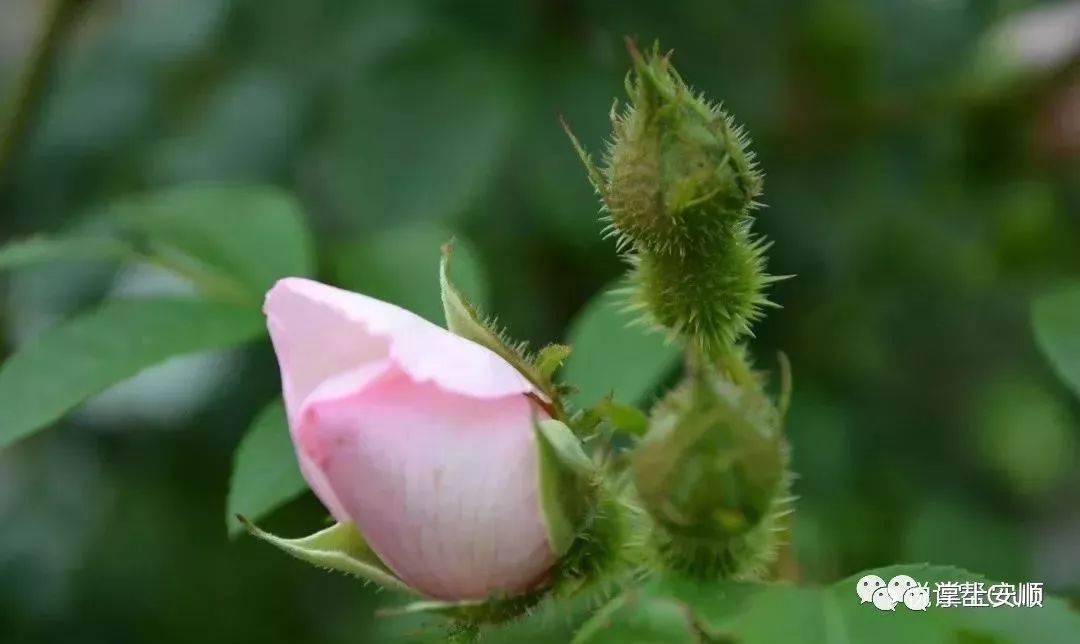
x=427 y=442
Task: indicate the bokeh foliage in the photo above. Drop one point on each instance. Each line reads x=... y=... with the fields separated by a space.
x=920 y=184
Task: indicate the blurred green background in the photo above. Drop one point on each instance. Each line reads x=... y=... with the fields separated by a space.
x=923 y=183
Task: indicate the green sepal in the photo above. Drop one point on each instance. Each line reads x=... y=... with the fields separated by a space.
x=469 y=615
x=567 y=477
x=549 y=359
x=340 y=547
x=463 y=319
x=596 y=176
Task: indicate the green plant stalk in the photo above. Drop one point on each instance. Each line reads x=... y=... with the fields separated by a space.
x=29 y=92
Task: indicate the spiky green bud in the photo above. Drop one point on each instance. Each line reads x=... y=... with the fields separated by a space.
x=712 y=472
x=678 y=171
x=678 y=185
x=710 y=299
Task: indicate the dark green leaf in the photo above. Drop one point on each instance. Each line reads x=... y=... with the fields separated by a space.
x=265 y=474
x=768 y=613
x=67 y=364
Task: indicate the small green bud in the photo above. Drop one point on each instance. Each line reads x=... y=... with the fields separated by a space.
x=711 y=299
x=678 y=187
x=712 y=472
x=678 y=170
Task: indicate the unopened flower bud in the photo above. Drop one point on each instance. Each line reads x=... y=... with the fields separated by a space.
x=678 y=170
x=441 y=461
x=711 y=472
x=678 y=186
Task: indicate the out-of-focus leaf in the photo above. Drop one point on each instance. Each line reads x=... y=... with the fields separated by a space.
x=1024 y=432
x=83 y=356
x=401 y=266
x=242 y=238
x=265 y=474
x=1056 y=318
x=611 y=354
x=421 y=139
x=769 y=613
x=246 y=131
x=1000 y=550
x=650 y=620
x=43 y=250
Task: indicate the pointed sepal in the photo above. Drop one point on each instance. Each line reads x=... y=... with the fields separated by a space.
x=463 y=319
x=470 y=615
x=596 y=176
x=340 y=547
x=567 y=478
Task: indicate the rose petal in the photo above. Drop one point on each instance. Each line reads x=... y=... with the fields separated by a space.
x=320 y=332
x=442 y=485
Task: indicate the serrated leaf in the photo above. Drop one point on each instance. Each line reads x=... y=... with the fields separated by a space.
x=769 y=613
x=41 y=250
x=341 y=548
x=233 y=239
x=612 y=355
x=1056 y=318
x=83 y=356
x=265 y=474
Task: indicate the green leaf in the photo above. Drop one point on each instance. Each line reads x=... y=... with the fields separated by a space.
x=614 y=355
x=768 y=613
x=641 y=620
x=623 y=418
x=41 y=250
x=236 y=240
x=340 y=547
x=421 y=140
x=399 y=266
x=265 y=474
x=1056 y=318
x=76 y=359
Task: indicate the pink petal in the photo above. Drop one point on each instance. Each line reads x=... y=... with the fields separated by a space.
x=320 y=332
x=442 y=485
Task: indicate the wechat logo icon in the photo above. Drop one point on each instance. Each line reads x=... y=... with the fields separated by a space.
x=901 y=590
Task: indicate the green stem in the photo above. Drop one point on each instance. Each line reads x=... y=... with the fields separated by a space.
x=30 y=89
